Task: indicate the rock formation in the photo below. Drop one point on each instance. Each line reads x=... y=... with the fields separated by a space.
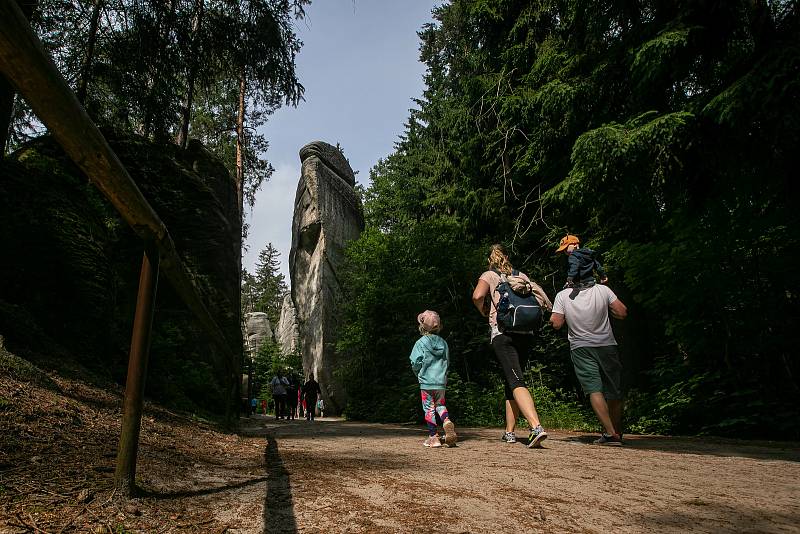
x=70 y=267
x=327 y=214
x=286 y=332
x=257 y=330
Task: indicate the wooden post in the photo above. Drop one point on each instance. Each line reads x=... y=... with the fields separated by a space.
x=125 y=474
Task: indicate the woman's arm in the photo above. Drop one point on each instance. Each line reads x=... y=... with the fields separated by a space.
x=479 y=297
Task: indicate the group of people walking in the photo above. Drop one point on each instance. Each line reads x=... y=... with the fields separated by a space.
x=513 y=305
x=291 y=399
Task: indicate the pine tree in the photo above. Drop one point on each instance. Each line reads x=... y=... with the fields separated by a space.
x=269 y=284
x=661 y=132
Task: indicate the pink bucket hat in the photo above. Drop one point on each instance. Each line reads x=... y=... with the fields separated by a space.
x=429 y=321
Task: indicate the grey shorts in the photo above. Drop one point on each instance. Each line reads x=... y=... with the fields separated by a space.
x=598 y=370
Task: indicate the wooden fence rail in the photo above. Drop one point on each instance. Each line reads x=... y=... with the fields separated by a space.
x=34 y=75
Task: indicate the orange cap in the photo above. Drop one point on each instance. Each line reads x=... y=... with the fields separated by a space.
x=568 y=240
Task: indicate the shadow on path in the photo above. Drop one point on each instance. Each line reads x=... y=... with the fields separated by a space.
x=196 y=493
x=709 y=446
x=706 y=445
x=718 y=518
x=278 y=504
x=331 y=428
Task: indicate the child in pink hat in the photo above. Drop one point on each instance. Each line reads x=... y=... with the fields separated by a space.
x=430 y=358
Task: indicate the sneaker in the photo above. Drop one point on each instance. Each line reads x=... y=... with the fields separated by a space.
x=450 y=436
x=536 y=437
x=433 y=442
x=608 y=439
x=509 y=437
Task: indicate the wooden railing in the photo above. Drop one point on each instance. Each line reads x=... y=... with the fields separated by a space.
x=33 y=74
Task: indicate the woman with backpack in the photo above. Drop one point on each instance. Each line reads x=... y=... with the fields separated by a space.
x=511 y=342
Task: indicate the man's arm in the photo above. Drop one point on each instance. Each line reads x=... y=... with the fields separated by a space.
x=618 y=310
x=557 y=320
x=479 y=297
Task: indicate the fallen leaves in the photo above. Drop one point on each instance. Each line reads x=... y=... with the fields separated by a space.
x=57 y=456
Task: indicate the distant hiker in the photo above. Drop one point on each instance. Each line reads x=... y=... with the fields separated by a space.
x=510 y=347
x=311 y=391
x=581 y=265
x=264 y=406
x=253 y=404
x=321 y=407
x=279 y=384
x=291 y=397
x=430 y=358
x=593 y=350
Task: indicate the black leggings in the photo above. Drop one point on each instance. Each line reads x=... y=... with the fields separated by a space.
x=512 y=352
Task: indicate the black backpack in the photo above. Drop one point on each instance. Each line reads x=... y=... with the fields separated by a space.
x=517 y=308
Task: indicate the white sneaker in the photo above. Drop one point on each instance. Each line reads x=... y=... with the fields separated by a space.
x=450 y=436
x=433 y=442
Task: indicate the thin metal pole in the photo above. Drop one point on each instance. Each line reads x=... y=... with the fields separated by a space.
x=125 y=474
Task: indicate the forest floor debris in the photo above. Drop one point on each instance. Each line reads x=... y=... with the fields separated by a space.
x=58 y=443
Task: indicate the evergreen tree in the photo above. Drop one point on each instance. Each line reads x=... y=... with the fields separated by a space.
x=151 y=67
x=663 y=134
x=268 y=285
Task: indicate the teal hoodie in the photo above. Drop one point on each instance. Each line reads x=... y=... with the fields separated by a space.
x=429 y=359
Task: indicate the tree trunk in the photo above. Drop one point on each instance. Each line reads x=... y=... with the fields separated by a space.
x=762 y=27
x=6 y=113
x=240 y=193
x=240 y=143
x=165 y=24
x=186 y=115
x=7 y=92
x=88 y=57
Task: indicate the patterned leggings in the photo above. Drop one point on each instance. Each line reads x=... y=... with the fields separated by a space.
x=433 y=405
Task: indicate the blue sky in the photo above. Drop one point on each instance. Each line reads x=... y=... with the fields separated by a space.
x=360 y=68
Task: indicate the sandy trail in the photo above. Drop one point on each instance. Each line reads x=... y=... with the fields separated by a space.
x=334 y=476
x=58 y=448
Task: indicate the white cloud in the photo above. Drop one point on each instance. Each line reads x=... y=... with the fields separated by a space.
x=271 y=219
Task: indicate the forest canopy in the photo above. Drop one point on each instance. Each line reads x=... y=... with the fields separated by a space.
x=151 y=75
x=212 y=70
x=664 y=134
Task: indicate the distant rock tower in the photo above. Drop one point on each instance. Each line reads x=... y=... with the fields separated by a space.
x=286 y=333
x=257 y=330
x=327 y=214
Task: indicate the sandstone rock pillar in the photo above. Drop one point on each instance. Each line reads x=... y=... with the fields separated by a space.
x=257 y=330
x=327 y=214
x=286 y=333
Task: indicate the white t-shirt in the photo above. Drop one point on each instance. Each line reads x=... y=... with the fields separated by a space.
x=587 y=316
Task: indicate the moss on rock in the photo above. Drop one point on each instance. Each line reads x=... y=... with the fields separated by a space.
x=71 y=264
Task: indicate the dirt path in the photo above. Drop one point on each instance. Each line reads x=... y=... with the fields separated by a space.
x=57 y=452
x=333 y=476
